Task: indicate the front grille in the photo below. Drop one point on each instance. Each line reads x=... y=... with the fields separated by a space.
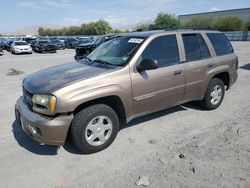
x=27 y=97
x=50 y=47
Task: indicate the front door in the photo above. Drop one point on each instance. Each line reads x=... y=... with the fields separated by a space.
x=157 y=89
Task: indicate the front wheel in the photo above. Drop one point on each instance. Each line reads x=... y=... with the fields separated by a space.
x=94 y=128
x=214 y=94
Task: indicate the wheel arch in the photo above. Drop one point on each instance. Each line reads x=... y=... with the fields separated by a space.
x=112 y=101
x=225 y=77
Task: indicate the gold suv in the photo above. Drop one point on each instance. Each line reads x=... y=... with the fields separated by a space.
x=126 y=77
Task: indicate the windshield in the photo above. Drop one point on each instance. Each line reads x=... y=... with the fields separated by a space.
x=117 y=50
x=84 y=40
x=20 y=43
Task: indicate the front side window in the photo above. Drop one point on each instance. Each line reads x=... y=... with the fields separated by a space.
x=195 y=47
x=164 y=50
x=221 y=44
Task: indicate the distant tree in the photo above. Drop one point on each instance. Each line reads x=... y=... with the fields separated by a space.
x=165 y=20
x=143 y=27
x=98 y=28
x=93 y=28
x=231 y=23
x=117 y=31
x=41 y=31
x=199 y=22
x=247 y=26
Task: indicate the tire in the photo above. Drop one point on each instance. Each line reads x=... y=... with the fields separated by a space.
x=217 y=86
x=100 y=118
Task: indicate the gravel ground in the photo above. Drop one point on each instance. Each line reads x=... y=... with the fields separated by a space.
x=183 y=146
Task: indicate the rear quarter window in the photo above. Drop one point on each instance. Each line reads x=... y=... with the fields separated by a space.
x=221 y=44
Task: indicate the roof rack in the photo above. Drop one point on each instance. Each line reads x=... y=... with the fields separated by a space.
x=191 y=28
x=177 y=29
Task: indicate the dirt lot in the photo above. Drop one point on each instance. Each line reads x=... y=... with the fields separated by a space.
x=180 y=147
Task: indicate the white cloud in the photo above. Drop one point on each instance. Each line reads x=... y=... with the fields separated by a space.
x=201 y=2
x=116 y=20
x=214 y=9
x=30 y=4
x=128 y=12
x=73 y=21
x=46 y=4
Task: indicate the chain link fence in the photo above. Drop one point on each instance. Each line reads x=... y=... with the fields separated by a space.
x=238 y=35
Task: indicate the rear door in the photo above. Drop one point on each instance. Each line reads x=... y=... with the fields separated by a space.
x=198 y=62
x=163 y=87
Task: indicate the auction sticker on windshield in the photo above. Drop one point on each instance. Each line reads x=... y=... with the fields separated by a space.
x=135 y=40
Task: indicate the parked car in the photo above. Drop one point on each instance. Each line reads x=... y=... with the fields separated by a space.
x=71 y=43
x=32 y=42
x=126 y=77
x=84 y=40
x=20 y=47
x=42 y=46
x=82 y=50
x=7 y=45
x=60 y=45
x=62 y=39
x=29 y=39
x=1 y=51
x=2 y=41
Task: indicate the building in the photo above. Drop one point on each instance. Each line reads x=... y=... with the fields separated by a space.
x=243 y=14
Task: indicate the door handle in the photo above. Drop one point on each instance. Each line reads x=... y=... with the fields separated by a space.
x=210 y=66
x=178 y=72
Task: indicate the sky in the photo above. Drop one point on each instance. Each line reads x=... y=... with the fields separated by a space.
x=18 y=14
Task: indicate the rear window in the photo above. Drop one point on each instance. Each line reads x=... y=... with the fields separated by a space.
x=195 y=47
x=221 y=44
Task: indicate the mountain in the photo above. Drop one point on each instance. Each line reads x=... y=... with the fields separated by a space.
x=32 y=30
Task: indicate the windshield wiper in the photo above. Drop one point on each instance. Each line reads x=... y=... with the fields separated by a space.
x=88 y=62
x=103 y=62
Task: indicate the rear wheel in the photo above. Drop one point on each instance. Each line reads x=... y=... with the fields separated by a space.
x=94 y=128
x=214 y=94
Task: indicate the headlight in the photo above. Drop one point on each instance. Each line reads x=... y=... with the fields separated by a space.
x=44 y=104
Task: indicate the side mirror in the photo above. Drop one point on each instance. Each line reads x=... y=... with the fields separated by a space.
x=147 y=64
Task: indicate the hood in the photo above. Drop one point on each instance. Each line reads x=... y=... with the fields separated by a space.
x=51 y=79
x=22 y=46
x=87 y=44
x=46 y=44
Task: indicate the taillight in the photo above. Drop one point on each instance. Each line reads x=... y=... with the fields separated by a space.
x=237 y=63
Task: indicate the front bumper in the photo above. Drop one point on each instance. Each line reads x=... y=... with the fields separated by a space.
x=79 y=57
x=22 y=51
x=47 y=130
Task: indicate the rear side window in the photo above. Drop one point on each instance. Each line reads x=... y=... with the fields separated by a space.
x=221 y=44
x=164 y=50
x=195 y=47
